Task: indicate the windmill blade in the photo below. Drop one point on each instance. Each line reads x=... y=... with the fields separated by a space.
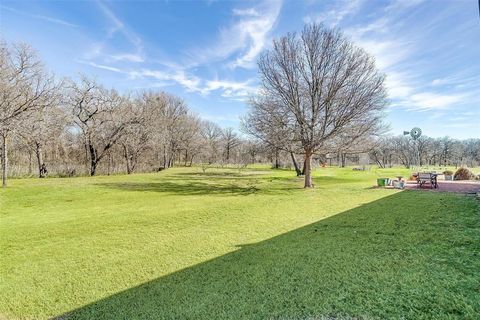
x=416 y=133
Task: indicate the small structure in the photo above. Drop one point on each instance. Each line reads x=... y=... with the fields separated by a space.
x=427 y=178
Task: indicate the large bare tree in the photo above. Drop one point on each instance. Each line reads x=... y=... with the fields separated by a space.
x=230 y=141
x=42 y=127
x=315 y=87
x=100 y=115
x=211 y=134
x=139 y=131
x=24 y=88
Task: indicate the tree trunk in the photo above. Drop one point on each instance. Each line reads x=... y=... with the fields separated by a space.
x=165 y=157
x=41 y=165
x=4 y=160
x=228 y=153
x=277 y=164
x=133 y=162
x=109 y=169
x=87 y=157
x=30 y=162
x=343 y=159
x=93 y=159
x=126 y=155
x=186 y=157
x=191 y=160
x=295 y=164
x=308 y=170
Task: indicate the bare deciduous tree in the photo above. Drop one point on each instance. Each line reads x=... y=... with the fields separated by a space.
x=230 y=141
x=24 y=87
x=42 y=126
x=98 y=113
x=315 y=87
x=138 y=132
x=211 y=134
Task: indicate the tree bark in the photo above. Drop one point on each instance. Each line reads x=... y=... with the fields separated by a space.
x=30 y=162
x=109 y=168
x=277 y=164
x=127 y=156
x=343 y=158
x=308 y=170
x=93 y=159
x=228 y=153
x=295 y=164
x=191 y=160
x=41 y=165
x=165 y=165
x=4 y=160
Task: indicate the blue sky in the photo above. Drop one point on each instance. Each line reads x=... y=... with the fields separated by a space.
x=206 y=52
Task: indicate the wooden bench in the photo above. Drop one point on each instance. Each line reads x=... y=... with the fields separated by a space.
x=427 y=178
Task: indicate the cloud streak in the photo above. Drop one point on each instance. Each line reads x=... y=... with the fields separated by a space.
x=335 y=14
x=41 y=17
x=244 y=39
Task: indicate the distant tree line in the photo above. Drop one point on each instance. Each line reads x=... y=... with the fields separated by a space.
x=73 y=127
x=320 y=101
x=402 y=150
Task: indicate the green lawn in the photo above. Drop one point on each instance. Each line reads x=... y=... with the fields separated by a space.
x=225 y=244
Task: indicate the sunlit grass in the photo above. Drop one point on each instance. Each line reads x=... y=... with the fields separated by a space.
x=229 y=243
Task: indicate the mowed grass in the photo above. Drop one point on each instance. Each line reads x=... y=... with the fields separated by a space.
x=230 y=244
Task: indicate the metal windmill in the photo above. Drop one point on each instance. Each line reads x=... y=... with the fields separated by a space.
x=415 y=133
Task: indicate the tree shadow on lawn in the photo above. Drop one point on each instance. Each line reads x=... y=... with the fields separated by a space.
x=189 y=188
x=225 y=183
x=223 y=174
x=408 y=255
x=195 y=186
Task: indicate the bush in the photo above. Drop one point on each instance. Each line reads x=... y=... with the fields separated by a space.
x=464 y=174
x=448 y=172
x=67 y=173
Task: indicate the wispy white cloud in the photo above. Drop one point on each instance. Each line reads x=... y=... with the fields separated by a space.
x=246 y=12
x=387 y=52
x=105 y=49
x=459 y=125
x=127 y=57
x=237 y=46
x=423 y=101
x=189 y=82
x=400 y=5
x=100 y=66
x=40 y=17
x=459 y=80
x=240 y=91
x=244 y=39
x=394 y=51
x=334 y=15
x=236 y=90
x=118 y=26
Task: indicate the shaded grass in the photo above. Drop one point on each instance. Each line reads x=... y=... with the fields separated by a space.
x=235 y=244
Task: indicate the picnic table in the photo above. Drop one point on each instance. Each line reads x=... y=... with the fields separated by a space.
x=427 y=178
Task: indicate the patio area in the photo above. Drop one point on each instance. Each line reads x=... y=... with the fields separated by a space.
x=447 y=186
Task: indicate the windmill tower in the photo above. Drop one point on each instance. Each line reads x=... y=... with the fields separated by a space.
x=415 y=133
